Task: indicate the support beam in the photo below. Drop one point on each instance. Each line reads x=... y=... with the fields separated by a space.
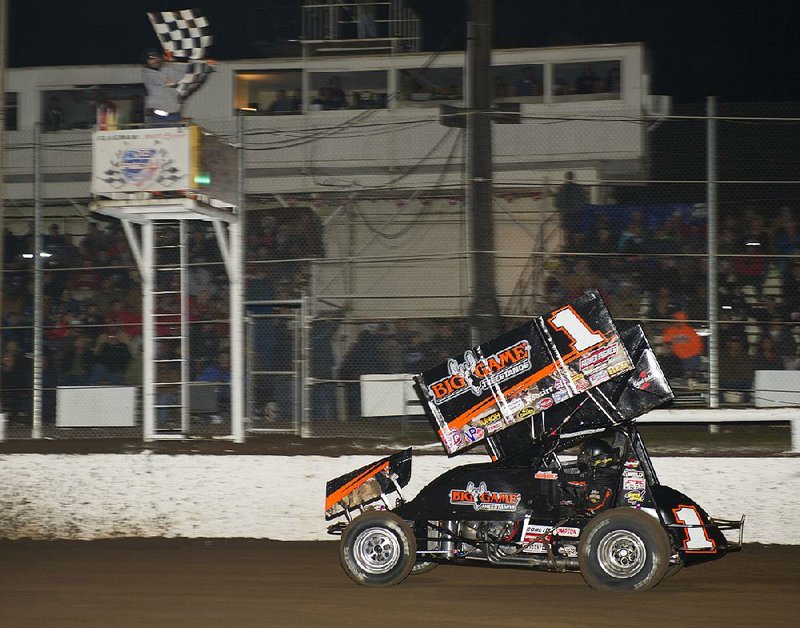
x=484 y=308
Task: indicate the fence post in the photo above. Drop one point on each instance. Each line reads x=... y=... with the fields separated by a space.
x=305 y=356
x=38 y=285
x=711 y=208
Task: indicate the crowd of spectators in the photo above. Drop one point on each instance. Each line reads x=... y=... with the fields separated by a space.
x=652 y=268
x=92 y=304
x=92 y=312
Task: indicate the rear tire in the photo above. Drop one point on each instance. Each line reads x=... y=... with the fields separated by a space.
x=624 y=550
x=378 y=549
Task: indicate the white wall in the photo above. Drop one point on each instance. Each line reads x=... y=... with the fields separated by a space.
x=366 y=148
x=281 y=497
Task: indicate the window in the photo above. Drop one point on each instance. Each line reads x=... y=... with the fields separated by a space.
x=599 y=80
x=348 y=90
x=82 y=107
x=270 y=92
x=431 y=85
x=11 y=111
x=522 y=83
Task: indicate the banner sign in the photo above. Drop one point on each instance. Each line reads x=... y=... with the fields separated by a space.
x=141 y=160
x=523 y=372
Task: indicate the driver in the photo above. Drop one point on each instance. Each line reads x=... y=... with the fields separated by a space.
x=599 y=469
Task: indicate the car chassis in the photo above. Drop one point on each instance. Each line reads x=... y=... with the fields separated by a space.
x=532 y=506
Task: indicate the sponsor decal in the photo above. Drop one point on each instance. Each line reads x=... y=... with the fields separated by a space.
x=599 y=378
x=545 y=531
x=582 y=384
x=472 y=434
x=633 y=484
x=453 y=438
x=494 y=417
x=481 y=498
x=545 y=475
x=634 y=497
x=514 y=405
x=560 y=396
x=596 y=359
x=478 y=375
x=495 y=427
x=544 y=404
x=538 y=537
x=618 y=368
x=632 y=473
x=534 y=547
x=643 y=381
x=525 y=413
x=631 y=463
x=568 y=550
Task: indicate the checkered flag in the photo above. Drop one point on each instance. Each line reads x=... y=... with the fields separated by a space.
x=196 y=74
x=183 y=34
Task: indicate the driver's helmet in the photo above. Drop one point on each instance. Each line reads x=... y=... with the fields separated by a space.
x=594 y=453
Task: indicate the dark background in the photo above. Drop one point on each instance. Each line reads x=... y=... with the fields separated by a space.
x=736 y=50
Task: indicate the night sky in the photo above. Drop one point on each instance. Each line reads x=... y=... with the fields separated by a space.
x=735 y=50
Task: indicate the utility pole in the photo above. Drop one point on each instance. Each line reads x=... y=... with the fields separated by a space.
x=484 y=308
x=3 y=114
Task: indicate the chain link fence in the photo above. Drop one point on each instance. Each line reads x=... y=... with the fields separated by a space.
x=347 y=294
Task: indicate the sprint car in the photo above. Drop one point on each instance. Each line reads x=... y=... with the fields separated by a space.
x=534 y=396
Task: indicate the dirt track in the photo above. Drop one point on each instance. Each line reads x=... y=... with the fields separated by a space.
x=233 y=583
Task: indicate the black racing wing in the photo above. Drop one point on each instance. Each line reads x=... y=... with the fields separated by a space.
x=619 y=400
x=574 y=357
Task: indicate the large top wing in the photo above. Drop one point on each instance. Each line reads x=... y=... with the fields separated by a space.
x=523 y=372
x=619 y=400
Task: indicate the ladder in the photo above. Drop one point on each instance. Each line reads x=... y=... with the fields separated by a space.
x=157 y=233
x=168 y=371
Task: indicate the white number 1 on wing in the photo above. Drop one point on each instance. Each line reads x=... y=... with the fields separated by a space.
x=581 y=335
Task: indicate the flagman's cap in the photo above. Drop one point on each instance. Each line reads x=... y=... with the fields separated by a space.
x=151 y=53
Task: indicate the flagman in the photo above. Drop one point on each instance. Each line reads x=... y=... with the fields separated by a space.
x=162 y=102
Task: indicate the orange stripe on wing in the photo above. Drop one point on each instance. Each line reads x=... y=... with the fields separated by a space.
x=332 y=499
x=475 y=410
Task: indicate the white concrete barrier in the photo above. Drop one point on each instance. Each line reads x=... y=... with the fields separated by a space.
x=281 y=497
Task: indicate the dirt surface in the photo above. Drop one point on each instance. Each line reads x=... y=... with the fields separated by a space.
x=239 y=583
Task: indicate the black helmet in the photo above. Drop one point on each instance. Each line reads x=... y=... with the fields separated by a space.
x=595 y=452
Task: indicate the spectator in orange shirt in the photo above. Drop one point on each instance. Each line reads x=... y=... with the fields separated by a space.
x=685 y=344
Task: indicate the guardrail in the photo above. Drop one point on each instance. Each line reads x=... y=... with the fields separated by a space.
x=715 y=416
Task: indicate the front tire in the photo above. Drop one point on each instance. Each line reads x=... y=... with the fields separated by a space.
x=624 y=550
x=378 y=549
